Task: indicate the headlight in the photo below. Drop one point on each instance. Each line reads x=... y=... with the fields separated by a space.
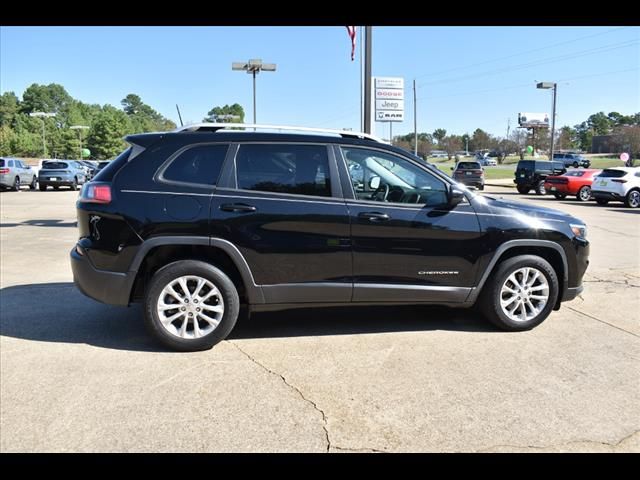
x=580 y=231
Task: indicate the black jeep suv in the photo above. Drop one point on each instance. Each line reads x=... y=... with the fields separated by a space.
x=197 y=222
x=532 y=174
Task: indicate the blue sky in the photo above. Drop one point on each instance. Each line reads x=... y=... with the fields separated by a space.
x=468 y=77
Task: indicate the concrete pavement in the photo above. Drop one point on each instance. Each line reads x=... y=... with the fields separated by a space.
x=76 y=375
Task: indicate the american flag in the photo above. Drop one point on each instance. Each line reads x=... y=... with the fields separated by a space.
x=352 y=34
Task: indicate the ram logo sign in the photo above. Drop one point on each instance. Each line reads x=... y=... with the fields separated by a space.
x=389 y=95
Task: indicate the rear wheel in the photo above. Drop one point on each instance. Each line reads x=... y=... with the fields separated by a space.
x=559 y=196
x=523 y=190
x=602 y=201
x=520 y=294
x=584 y=194
x=632 y=200
x=575 y=165
x=34 y=183
x=56 y=187
x=191 y=305
x=74 y=185
x=540 y=190
x=16 y=184
x=42 y=187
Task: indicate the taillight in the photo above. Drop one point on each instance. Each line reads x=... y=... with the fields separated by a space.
x=619 y=180
x=95 y=193
x=4 y=171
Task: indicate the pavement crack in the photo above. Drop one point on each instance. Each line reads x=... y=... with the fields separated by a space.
x=359 y=450
x=612 y=231
x=292 y=387
x=602 y=321
x=564 y=444
x=613 y=282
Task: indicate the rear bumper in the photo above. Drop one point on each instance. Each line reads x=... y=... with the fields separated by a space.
x=113 y=288
x=558 y=188
x=600 y=194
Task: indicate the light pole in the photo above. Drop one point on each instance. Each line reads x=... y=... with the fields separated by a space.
x=43 y=115
x=554 y=86
x=254 y=67
x=466 y=141
x=79 y=128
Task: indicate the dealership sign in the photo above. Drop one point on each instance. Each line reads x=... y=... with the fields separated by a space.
x=389 y=95
x=533 y=120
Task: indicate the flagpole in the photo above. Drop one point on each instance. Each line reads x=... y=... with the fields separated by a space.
x=361 y=82
x=368 y=124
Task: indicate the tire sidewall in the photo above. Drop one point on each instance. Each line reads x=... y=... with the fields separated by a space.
x=490 y=303
x=628 y=198
x=540 y=190
x=579 y=195
x=180 y=268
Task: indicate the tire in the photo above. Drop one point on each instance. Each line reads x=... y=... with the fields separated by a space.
x=523 y=190
x=632 y=200
x=16 y=184
x=575 y=165
x=74 y=185
x=481 y=187
x=540 y=190
x=187 y=341
x=584 y=194
x=33 y=184
x=492 y=293
x=42 y=187
x=559 y=196
x=56 y=187
x=602 y=201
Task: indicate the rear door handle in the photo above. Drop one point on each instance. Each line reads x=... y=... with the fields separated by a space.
x=374 y=216
x=237 y=207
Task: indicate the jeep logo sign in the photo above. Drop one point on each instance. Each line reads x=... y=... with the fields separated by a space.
x=389 y=94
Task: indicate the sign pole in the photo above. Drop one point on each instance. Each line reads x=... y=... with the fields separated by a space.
x=368 y=124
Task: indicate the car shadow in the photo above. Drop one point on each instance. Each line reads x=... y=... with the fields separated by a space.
x=42 y=223
x=58 y=312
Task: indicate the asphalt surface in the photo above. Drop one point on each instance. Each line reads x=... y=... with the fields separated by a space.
x=79 y=376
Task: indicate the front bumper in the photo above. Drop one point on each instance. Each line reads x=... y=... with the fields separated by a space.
x=113 y=288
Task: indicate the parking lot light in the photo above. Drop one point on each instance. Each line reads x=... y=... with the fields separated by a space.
x=254 y=66
x=43 y=115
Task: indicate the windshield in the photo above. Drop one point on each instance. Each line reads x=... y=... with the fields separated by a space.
x=55 y=165
x=574 y=174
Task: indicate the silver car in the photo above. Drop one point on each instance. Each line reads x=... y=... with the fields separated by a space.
x=61 y=173
x=14 y=173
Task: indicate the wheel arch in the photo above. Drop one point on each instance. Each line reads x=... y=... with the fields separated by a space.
x=550 y=251
x=157 y=252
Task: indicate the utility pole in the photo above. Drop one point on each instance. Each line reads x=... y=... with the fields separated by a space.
x=368 y=125
x=415 y=120
x=79 y=128
x=42 y=116
x=179 y=116
x=508 y=127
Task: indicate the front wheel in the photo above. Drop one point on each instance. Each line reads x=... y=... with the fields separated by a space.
x=33 y=184
x=520 y=294
x=575 y=165
x=16 y=184
x=632 y=200
x=540 y=190
x=191 y=305
x=523 y=190
x=42 y=187
x=584 y=194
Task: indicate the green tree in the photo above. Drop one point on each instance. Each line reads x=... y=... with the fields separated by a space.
x=223 y=114
x=567 y=138
x=52 y=98
x=480 y=140
x=105 y=138
x=439 y=134
x=9 y=108
x=451 y=143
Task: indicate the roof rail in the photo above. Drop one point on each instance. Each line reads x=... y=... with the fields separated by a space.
x=214 y=127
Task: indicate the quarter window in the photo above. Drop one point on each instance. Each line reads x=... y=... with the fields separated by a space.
x=284 y=168
x=383 y=177
x=201 y=164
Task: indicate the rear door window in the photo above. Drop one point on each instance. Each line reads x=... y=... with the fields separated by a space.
x=284 y=168
x=612 y=174
x=200 y=165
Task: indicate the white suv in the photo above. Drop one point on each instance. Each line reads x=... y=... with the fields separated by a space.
x=620 y=184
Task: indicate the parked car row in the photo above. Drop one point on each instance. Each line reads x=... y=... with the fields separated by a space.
x=621 y=184
x=15 y=173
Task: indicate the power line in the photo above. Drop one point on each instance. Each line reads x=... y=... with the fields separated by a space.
x=580 y=53
x=520 y=53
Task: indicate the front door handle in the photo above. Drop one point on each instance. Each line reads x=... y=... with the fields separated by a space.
x=374 y=216
x=237 y=207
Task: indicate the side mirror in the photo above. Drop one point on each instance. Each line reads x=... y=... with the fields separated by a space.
x=455 y=196
x=374 y=182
